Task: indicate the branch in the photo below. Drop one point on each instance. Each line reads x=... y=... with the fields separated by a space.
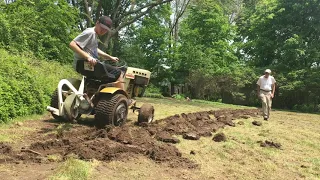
x=145 y=6
x=150 y=7
x=183 y=9
x=116 y=10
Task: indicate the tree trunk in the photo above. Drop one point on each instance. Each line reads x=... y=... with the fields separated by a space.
x=88 y=13
x=98 y=13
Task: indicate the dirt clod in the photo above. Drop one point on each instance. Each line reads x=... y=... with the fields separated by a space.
x=191 y=136
x=5 y=149
x=192 y=152
x=303 y=166
x=257 y=123
x=166 y=137
x=268 y=143
x=219 y=137
x=244 y=116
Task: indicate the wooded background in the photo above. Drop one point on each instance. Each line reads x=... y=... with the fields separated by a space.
x=214 y=49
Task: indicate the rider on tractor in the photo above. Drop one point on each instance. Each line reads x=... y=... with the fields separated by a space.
x=85 y=47
x=105 y=91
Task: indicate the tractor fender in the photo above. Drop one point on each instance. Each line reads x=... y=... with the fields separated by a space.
x=113 y=90
x=75 y=82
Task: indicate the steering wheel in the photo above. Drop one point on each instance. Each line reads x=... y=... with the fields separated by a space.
x=119 y=64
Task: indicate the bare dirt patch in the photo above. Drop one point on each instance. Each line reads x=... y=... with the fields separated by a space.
x=113 y=143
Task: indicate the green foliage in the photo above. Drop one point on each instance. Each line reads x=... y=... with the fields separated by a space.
x=153 y=92
x=153 y=89
x=206 y=37
x=282 y=33
x=153 y=95
x=179 y=96
x=44 y=28
x=26 y=84
x=147 y=44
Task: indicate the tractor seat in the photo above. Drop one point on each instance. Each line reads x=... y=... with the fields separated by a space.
x=99 y=73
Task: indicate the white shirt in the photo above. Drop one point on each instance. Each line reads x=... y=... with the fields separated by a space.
x=266 y=83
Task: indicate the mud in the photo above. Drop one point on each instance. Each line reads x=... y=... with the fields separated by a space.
x=151 y=140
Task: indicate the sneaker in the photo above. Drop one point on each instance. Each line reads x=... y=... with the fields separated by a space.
x=265 y=118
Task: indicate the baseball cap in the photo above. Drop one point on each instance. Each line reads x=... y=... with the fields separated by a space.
x=105 y=22
x=267 y=71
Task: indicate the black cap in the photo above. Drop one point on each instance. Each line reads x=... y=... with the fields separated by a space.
x=105 y=20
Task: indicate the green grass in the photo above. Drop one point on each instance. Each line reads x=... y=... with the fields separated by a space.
x=74 y=169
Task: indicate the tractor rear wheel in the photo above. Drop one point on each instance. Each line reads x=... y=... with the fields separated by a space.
x=146 y=113
x=111 y=110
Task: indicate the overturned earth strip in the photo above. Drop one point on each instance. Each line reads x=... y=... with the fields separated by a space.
x=151 y=140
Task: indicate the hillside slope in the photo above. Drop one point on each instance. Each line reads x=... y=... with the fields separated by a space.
x=26 y=84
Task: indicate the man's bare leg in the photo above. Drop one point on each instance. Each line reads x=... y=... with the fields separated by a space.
x=120 y=82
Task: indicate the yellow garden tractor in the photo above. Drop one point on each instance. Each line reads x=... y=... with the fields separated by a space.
x=96 y=95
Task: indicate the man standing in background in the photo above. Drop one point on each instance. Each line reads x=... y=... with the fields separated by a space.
x=266 y=88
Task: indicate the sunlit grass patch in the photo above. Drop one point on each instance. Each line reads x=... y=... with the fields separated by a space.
x=74 y=169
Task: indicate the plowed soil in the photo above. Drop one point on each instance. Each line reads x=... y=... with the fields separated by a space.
x=152 y=140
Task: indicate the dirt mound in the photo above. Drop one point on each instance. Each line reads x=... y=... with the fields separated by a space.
x=202 y=123
x=150 y=140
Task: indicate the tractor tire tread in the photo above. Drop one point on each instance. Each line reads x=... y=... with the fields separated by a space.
x=105 y=109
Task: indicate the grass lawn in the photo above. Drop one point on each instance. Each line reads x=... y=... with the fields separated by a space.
x=240 y=157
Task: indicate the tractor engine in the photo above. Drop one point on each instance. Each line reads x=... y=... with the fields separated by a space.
x=136 y=81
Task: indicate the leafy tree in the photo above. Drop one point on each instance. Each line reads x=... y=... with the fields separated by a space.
x=43 y=27
x=207 y=54
x=146 y=45
x=284 y=35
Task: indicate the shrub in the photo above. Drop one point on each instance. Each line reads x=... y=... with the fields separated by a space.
x=152 y=92
x=153 y=95
x=26 y=84
x=179 y=96
x=153 y=89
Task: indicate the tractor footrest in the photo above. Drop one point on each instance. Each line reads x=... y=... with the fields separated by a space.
x=53 y=110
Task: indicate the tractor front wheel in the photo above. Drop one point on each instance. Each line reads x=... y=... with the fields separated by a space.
x=146 y=113
x=55 y=103
x=111 y=110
